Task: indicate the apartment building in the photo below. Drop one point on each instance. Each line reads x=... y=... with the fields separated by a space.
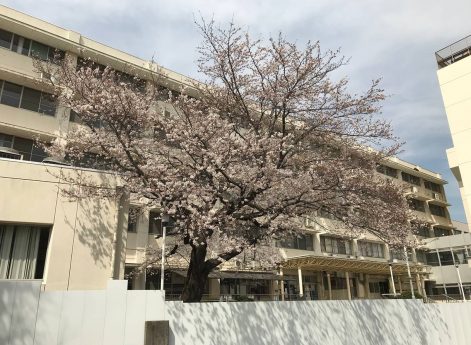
x=454 y=77
x=80 y=244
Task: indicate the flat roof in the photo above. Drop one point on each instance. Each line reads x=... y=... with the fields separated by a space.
x=454 y=52
x=414 y=169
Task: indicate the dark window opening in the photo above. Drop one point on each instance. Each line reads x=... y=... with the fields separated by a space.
x=417 y=205
x=385 y=170
x=301 y=241
x=27 y=47
x=437 y=210
x=410 y=178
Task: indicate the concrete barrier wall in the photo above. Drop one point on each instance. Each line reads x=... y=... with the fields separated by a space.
x=103 y=317
x=372 y=322
x=116 y=316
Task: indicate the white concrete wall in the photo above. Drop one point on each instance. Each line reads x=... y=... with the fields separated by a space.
x=319 y=322
x=116 y=316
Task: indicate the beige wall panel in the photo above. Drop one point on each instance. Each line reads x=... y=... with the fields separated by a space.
x=32 y=122
x=20 y=64
x=459 y=117
x=95 y=227
x=456 y=91
x=61 y=245
x=25 y=201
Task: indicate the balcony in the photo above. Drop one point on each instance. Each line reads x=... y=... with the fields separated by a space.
x=454 y=52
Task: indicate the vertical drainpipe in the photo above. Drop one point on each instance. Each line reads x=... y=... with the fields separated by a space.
x=120 y=236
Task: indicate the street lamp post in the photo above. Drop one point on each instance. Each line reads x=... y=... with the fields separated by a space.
x=392 y=279
x=165 y=220
x=460 y=282
x=457 y=266
x=408 y=273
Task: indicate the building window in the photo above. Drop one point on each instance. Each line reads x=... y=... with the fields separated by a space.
x=432 y=186
x=155 y=223
x=421 y=256
x=432 y=259
x=371 y=249
x=31 y=99
x=424 y=231
x=439 y=232
x=446 y=258
x=301 y=241
x=23 y=251
x=335 y=245
x=379 y=287
x=461 y=257
x=11 y=94
x=338 y=283
x=385 y=170
x=410 y=178
x=398 y=254
x=437 y=210
x=132 y=220
x=5 y=39
x=27 y=148
x=6 y=140
x=25 y=46
x=26 y=98
x=416 y=205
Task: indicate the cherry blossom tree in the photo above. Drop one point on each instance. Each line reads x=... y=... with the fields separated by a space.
x=240 y=158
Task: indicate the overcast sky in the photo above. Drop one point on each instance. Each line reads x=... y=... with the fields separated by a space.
x=395 y=40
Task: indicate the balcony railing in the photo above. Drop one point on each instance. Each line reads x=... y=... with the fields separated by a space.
x=454 y=52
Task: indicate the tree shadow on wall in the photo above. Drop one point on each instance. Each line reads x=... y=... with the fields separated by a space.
x=307 y=322
x=94 y=222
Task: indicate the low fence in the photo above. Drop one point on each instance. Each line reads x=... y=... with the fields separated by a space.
x=106 y=317
x=116 y=316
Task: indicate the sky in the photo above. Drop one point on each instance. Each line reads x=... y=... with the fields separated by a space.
x=394 y=40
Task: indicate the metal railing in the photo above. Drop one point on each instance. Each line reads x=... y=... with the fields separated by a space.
x=454 y=52
x=229 y=297
x=445 y=298
x=243 y=298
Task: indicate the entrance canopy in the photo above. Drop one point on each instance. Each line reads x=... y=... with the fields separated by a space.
x=329 y=263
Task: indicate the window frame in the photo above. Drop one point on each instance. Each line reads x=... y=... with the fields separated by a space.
x=47 y=109
x=409 y=178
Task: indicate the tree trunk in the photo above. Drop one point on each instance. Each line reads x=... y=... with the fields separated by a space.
x=196 y=276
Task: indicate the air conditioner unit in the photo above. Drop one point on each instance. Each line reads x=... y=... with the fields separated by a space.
x=413 y=189
x=436 y=196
